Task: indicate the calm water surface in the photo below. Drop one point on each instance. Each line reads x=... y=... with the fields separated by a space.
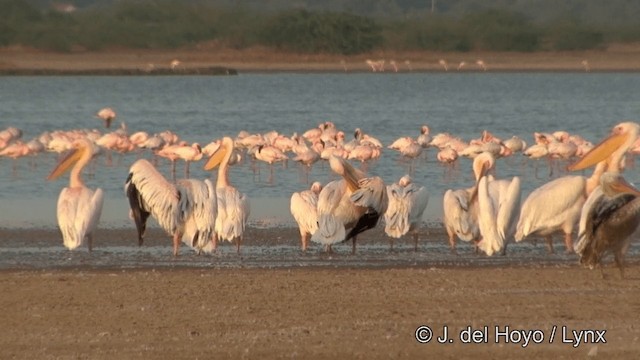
x=204 y=108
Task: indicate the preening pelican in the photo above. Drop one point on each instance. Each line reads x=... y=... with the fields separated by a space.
x=233 y=206
x=498 y=203
x=79 y=207
x=186 y=210
x=304 y=208
x=460 y=216
x=407 y=202
x=610 y=222
x=354 y=203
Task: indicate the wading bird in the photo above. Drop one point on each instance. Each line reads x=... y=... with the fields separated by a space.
x=79 y=207
x=407 y=202
x=304 y=208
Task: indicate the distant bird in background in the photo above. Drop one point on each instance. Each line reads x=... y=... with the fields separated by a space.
x=443 y=63
x=107 y=115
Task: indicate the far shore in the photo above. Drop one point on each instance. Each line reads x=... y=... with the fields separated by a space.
x=216 y=61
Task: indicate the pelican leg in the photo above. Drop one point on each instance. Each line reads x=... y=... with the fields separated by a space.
x=549 y=241
x=238 y=242
x=415 y=241
x=452 y=242
x=305 y=241
x=391 y=244
x=353 y=245
x=176 y=243
x=568 y=243
x=619 y=259
x=90 y=242
x=214 y=239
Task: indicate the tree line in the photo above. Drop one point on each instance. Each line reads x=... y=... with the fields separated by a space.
x=167 y=24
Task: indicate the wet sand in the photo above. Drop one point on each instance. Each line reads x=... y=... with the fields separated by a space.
x=337 y=306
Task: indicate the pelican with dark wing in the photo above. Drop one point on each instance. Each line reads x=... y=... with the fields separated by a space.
x=610 y=222
x=407 y=202
x=79 y=208
x=186 y=210
x=349 y=206
x=233 y=206
x=607 y=219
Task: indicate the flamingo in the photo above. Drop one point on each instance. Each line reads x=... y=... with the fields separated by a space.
x=107 y=115
x=186 y=210
x=79 y=208
x=233 y=206
x=188 y=153
x=304 y=208
x=443 y=63
x=407 y=202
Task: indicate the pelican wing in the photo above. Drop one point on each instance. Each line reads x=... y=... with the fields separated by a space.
x=199 y=203
x=372 y=194
x=396 y=218
x=330 y=228
x=595 y=197
x=78 y=213
x=508 y=209
x=304 y=208
x=233 y=212
x=458 y=214
x=488 y=206
x=548 y=206
x=419 y=199
x=150 y=193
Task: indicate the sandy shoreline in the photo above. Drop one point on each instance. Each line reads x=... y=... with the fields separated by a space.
x=204 y=59
x=338 y=309
x=308 y=313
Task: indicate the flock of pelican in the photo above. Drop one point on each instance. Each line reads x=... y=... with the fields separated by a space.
x=604 y=206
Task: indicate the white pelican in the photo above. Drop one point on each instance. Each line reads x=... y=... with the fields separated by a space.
x=304 y=208
x=613 y=149
x=498 y=203
x=460 y=216
x=354 y=203
x=107 y=115
x=556 y=206
x=233 y=206
x=186 y=210
x=610 y=222
x=79 y=207
x=407 y=202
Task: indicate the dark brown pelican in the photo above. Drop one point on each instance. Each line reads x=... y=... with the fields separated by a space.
x=611 y=221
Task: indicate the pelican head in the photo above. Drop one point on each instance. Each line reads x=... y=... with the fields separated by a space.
x=316 y=187
x=613 y=183
x=613 y=147
x=482 y=164
x=80 y=148
x=405 y=180
x=219 y=154
x=341 y=167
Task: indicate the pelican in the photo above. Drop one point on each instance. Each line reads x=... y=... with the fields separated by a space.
x=596 y=212
x=79 y=207
x=498 y=203
x=233 y=206
x=556 y=206
x=460 y=216
x=407 y=202
x=107 y=115
x=186 y=210
x=348 y=206
x=304 y=208
x=610 y=222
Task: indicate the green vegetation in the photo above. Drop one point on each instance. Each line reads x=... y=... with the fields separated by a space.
x=338 y=28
